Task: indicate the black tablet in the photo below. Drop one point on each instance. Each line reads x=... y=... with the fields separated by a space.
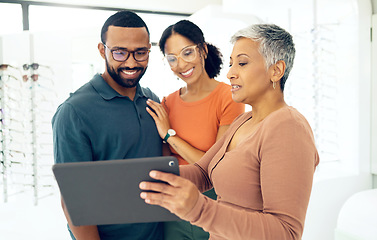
x=107 y=192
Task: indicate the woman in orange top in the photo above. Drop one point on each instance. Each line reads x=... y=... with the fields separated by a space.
x=194 y=117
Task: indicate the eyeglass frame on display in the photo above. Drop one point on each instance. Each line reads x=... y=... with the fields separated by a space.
x=34 y=66
x=34 y=77
x=5 y=66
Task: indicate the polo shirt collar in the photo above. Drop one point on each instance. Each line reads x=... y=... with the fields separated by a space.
x=108 y=93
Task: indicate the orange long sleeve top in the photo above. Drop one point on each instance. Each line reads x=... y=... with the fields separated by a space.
x=263 y=185
x=198 y=122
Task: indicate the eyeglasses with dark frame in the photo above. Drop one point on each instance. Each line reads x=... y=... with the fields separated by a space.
x=34 y=66
x=187 y=54
x=122 y=54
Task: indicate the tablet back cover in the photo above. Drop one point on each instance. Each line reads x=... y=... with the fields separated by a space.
x=107 y=192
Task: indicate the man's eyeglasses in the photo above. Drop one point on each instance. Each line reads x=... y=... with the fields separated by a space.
x=122 y=54
x=187 y=54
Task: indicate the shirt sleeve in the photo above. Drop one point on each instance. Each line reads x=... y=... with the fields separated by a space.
x=288 y=158
x=152 y=95
x=70 y=142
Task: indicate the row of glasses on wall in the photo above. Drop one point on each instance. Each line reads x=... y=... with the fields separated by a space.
x=326 y=94
x=313 y=86
x=27 y=98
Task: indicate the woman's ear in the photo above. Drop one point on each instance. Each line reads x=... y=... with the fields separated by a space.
x=101 y=49
x=278 y=71
x=205 y=50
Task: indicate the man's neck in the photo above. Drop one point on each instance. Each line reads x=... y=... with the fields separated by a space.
x=129 y=92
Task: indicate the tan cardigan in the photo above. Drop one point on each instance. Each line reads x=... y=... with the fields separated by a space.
x=263 y=185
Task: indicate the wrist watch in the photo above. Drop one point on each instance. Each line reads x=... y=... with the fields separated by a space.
x=170 y=133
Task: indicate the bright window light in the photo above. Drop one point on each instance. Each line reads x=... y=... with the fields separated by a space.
x=43 y=18
x=10 y=18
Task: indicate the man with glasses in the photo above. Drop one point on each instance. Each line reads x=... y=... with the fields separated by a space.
x=106 y=118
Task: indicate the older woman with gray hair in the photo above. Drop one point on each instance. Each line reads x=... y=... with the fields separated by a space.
x=262 y=168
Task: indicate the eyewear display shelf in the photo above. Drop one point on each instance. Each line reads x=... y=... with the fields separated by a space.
x=27 y=104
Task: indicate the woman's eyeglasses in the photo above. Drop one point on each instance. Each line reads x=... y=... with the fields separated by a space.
x=187 y=54
x=122 y=54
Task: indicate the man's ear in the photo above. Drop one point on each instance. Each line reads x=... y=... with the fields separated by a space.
x=101 y=49
x=278 y=71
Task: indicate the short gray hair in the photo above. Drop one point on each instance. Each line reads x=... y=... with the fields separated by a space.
x=275 y=44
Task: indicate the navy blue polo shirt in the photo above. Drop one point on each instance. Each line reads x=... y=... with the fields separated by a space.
x=97 y=123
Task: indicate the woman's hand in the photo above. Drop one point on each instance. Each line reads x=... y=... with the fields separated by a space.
x=160 y=117
x=177 y=194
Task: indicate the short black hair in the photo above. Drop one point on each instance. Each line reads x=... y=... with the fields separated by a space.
x=122 y=19
x=189 y=30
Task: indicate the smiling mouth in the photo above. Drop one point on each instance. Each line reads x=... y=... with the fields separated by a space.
x=188 y=73
x=235 y=87
x=130 y=73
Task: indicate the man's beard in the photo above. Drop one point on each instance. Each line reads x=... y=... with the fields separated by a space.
x=127 y=83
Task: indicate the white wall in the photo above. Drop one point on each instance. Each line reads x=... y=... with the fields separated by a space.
x=374 y=98
x=327 y=199
x=374 y=61
x=329 y=195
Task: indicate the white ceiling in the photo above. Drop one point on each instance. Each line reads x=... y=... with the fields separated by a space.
x=176 y=6
x=189 y=6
